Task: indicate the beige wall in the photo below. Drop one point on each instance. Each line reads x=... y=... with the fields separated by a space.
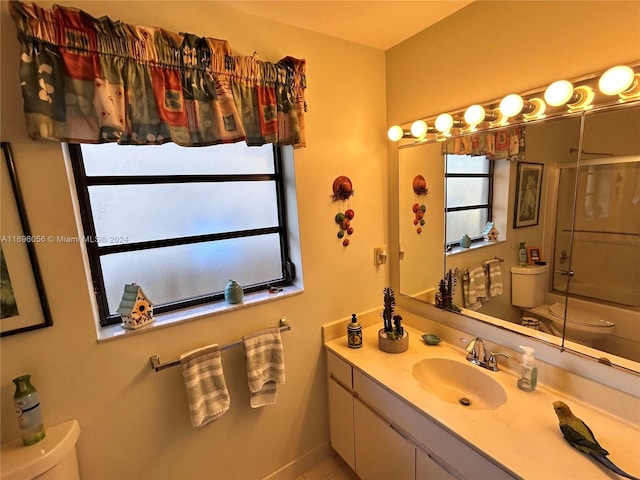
x=135 y=422
x=492 y=48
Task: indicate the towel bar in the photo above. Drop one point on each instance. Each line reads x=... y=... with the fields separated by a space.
x=154 y=360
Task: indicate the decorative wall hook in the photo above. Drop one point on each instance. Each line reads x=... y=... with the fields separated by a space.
x=342 y=190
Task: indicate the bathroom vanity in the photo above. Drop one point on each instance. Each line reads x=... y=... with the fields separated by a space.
x=398 y=415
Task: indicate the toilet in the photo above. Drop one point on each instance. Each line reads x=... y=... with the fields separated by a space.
x=54 y=457
x=528 y=286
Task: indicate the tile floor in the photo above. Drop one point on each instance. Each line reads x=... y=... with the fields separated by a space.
x=332 y=468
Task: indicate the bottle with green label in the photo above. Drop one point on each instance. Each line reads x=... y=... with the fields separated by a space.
x=27 y=405
x=522 y=254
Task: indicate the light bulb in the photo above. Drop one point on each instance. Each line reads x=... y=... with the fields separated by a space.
x=558 y=93
x=511 y=105
x=395 y=133
x=616 y=80
x=419 y=128
x=474 y=115
x=444 y=122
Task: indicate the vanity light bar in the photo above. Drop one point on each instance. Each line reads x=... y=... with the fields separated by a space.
x=619 y=84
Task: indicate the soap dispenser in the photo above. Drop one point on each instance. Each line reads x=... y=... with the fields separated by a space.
x=528 y=378
x=354 y=332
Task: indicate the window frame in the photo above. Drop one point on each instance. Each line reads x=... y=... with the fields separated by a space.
x=95 y=251
x=489 y=205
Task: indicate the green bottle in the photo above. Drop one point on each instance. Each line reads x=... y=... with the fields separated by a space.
x=28 y=410
x=522 y=254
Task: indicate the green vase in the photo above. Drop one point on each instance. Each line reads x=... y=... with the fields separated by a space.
x=28 y=410
x=233 y=292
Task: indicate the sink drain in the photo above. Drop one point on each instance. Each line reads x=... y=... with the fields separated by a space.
x=464 y=401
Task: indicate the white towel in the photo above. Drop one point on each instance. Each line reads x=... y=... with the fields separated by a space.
x=265 y=365
x=206 y=388
x=495 y=277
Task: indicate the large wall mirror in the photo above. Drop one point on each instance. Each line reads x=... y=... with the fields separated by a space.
x=574 y=199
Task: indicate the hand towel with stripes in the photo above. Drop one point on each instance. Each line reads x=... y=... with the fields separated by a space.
x=265 y=365
x=206 y=387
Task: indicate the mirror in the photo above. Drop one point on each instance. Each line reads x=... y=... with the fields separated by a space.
x=590 y=227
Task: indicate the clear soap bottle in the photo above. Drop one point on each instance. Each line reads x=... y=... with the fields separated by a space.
x=528 y=377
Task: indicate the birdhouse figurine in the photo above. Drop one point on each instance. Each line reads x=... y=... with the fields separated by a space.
x=135 y=308
x=493 y=234
x=490 y=232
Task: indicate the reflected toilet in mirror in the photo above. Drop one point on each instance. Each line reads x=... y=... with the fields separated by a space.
x=528 y=286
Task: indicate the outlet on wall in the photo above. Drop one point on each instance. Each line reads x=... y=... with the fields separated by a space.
x=380 y=255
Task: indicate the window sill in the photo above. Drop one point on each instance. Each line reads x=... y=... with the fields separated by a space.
x=474 y=246
x=169 y=319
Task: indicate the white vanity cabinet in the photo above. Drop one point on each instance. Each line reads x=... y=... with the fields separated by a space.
x=341 y=425
x=382 y=437
x=381 y=452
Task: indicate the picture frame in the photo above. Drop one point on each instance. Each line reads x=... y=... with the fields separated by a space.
x=24 y=302
x=528 y=189
x=534 y=254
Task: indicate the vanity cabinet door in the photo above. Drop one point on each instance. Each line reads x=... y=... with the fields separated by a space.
x=381 y=452
x=341 y=422
x=429 y=469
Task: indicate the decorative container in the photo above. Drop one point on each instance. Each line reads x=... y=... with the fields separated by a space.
x=233 y=292
x=27 y=404
x=393 y=345
x=465 y=241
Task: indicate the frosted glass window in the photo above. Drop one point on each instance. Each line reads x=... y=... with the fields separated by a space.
x=180 y=222
x=136 y=213
x=463 y=222
x=171 y=159
x=467 y=164
x=465 y=191
x=174 y=273
x=469 y=183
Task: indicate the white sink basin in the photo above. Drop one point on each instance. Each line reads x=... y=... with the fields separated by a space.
x=457 y=382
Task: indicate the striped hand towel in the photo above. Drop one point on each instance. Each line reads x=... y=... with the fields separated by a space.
x=495 y=277
x=206 y=388
x=265 y=365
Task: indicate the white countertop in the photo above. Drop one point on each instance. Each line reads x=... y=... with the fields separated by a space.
x=522 y=435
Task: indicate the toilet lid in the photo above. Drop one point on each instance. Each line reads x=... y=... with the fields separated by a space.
x=579 y=317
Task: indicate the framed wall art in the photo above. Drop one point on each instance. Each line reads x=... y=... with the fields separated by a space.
x=528 y=189
x=24 y=304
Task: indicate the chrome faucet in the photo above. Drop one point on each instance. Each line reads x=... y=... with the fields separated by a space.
x=476 y=354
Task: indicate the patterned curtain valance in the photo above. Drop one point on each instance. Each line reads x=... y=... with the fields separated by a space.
x=95 y=80
x=506 y=144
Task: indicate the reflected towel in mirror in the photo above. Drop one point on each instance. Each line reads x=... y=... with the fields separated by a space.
x=474 y=283
x=495 y=277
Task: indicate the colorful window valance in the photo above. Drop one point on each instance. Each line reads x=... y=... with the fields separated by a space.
x=505 y=144
x=95 y=80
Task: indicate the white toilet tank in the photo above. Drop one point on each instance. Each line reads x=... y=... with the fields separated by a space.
x=528 y=285
x=54 y=457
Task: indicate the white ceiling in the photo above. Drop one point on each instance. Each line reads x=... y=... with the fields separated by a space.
x=379 y=23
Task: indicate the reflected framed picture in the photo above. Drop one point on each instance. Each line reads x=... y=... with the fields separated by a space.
x=534 y=254
x=528 y=188
x=24 y=304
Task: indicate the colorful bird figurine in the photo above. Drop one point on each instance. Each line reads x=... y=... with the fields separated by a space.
x=580 y=437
